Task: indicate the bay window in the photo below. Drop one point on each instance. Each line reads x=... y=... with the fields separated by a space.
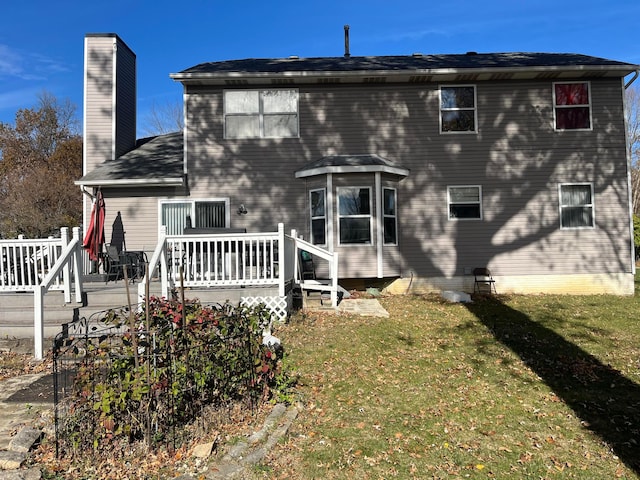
x=389 y=219
x=354 y=215
x=318 y=217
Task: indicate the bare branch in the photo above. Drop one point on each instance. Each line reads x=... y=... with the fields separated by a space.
x=165 y=118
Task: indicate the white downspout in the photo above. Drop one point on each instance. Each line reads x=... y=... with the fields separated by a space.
x=628 y=154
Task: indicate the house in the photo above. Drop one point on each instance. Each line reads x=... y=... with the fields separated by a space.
x=416 y=169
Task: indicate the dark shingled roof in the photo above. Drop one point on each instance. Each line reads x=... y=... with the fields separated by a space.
x=154 y=161
x=469 y=60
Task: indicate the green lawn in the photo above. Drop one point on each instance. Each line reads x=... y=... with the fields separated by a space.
x=504 y=387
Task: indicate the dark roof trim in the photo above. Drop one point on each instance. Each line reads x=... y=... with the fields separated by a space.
x=111 y=35
x=367 y=163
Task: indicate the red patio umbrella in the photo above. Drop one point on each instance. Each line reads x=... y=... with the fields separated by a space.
x=94 y=237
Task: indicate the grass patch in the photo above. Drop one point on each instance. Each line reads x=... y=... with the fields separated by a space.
x=519 y=387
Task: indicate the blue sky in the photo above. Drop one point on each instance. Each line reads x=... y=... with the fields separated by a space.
x=41 y=41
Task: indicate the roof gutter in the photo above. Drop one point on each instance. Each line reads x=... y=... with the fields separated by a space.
x=635 y=75
x=182 y=77
x=165 y=182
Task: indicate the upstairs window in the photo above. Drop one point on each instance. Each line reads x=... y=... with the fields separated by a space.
x=318 y=217
x=201 y=214
x=260 y=113
x=389 y=216
x=465 y=202
x=576 y=205
x=572 y=106
x=354 y=215
x=458 y=109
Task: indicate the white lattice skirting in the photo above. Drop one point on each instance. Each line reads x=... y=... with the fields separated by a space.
x=278 y=306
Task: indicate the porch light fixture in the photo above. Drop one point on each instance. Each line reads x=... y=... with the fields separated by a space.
x=242 y=210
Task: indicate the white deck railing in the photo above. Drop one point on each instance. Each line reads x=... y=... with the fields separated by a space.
x=25 y=262
x=225 y=260
x=40 y=265
x=235 y=260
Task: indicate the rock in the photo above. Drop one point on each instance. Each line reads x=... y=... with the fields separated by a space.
x=24 y=440
x=11 y=460
x=30 y=474
x=203 y=450
x=459 y=297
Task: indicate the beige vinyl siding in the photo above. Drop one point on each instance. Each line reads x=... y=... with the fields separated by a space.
x=125 y=99
x=103 y=53
x=516 y=157
x=138 y=210
x=98 y=101
x=259 y=173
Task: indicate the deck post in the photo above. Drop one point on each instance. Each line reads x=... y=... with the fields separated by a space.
x=334 y=280
x=164 y=277
x=38 y=321
x=66 y=276
x=282 y=259
x=294 y=235
x=77 y=264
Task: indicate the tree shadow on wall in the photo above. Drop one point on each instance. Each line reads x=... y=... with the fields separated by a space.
x=604 y=400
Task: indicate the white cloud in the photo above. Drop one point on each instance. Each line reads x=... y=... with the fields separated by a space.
x=28 y=66
x=18 y=98
x=9 y=62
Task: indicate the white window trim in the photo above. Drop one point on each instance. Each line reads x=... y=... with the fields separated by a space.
x=312 y=218
x=475 y=111
x=590 y=105
x=592 y=205
x=395 y=217
x=260 y=112
x=193 y=201
x=370 y=216
x=456 y=219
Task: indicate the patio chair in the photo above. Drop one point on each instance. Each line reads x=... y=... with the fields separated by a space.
x=483 y=277
x=113 y=263
x=307 y=268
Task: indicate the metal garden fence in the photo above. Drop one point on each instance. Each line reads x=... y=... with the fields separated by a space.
x=119 y=380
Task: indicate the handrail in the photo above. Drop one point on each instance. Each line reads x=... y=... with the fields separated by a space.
x=158 y=258
x=331 y=257
x=70 y=252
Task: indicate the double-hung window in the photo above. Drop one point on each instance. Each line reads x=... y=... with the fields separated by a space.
x=201 y=214
x=572 y=105
x=464 y=202
x=389 y=216
x=318 y=216
x=354 y=215
x=576 y=205
x=260 y=113
x=458 y=109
